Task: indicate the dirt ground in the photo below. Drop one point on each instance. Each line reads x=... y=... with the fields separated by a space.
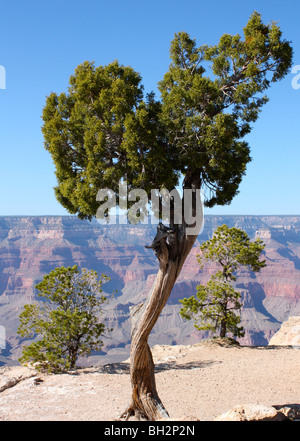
x=201 y=381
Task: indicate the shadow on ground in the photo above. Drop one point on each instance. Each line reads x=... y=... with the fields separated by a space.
x=124 y=368
x=172 y=365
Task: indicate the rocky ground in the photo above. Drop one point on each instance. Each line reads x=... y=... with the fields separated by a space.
x=200 y=381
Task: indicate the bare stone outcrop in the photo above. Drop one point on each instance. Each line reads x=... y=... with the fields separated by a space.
x=258 y=412
x=9 y=377
x=288 y=334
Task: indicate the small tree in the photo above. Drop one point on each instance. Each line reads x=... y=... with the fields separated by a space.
x=68 y=324
x=217 y=301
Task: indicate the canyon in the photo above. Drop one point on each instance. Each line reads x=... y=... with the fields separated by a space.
x=31 y=246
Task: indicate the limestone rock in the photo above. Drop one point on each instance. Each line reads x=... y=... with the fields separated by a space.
x=11 y=376
x=252 y=412
x=291 y=411
x=288 y=334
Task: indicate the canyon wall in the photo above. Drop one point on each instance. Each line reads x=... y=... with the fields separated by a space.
x=30 y=247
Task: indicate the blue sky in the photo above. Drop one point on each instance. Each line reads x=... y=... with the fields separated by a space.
x=42 y=42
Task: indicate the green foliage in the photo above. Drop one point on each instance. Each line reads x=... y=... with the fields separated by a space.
x=216 y=302
x=214 y=308
x=67 y=324
x=104 y=129
x=232 y=248
x=207 y=117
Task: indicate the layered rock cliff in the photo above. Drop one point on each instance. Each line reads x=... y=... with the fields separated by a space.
x=31 y=246
x=288 y=334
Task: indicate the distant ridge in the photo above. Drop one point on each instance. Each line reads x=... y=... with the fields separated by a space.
x=30 y=246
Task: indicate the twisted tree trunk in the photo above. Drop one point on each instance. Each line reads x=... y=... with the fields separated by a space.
x=172 y=246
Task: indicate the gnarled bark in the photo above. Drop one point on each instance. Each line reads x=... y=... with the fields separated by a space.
x=172 y=246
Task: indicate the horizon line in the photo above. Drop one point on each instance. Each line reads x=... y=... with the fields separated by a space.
x=94 y=217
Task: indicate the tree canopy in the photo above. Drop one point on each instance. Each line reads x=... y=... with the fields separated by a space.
x=67 y=325
x=216 y=304
x=231 y=248
x=104 y=129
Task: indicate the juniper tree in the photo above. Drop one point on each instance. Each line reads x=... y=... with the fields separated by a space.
x=217 y=304
x=67 y=325
x=104 y=129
